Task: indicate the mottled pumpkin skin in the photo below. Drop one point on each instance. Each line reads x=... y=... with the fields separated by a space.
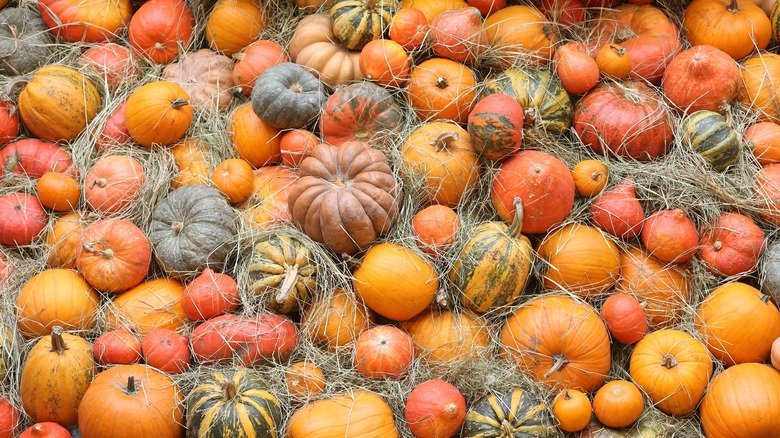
x=358 y=22
x=708 y=133
x=496 y=126
x=283 y=272
x=512 y=414
x=359 y=112
x=223 y=404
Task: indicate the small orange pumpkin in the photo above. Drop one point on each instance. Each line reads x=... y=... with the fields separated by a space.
x=268 y=203
x=577 y=70
x=254 y=140
x=384 y=62
x=158 y=113
x=763 y=138
x=383 y=351
x=192 y=161
x=670 y=236
x=117 y=347
x=254 y=60
x=738 y=27
x=234 y=178
x=233 y=24
x=619 y=403
x=435 y=409
x=590 y=177
x=441 y=89
x=625 y=318
x=304 y=379
x=58 y=191
x=572 y=410
x=295 y=145
x=435 y=228
x=166 y=350
x=613 y=61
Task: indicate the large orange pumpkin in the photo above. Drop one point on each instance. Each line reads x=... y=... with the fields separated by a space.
x=441 y=89
x=760 y=85
x=519 y=32
x=158 y=113
x=738 y=27
x=354 y=413
x=150 y=305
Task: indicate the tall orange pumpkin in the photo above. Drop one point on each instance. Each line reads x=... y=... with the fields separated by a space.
x=158 y=113
x=519 y=32
x=760 y=85
x=151 y=305
x=254 y=140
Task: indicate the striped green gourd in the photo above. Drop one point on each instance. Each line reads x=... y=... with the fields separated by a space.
x=709 y=134
x=512 y=414
x=358 y=22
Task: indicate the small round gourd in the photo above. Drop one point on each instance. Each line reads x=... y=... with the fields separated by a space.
x=710 y=135
x=287 y=96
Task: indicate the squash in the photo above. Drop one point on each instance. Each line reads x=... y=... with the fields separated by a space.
x=385 y=62
x=409 y=27
x=314 y=46
x=513 y=413
x=618 y=403
x=763 y=139
x=158 y=113
x=738 y=27
x=62 y=240
x=712 y=80
x=670 y=236
x=457 y=34
x=590 y=177
x=253 y=139
x=352 y=414
x=432 y=8
x=618 y=211
x=58 y=191
x=578 y=71
x=151 y=305
x=572 y=410
x=166 y=351
x=192 y=161
x=23 y=219
x=282 y=272
x=114 y=132
x=32 y=158
x=114 y=184
x=268 y=204
x=613 y=61
x=496 y=127
x=335 y=320
x=359 y=112
x=444 y=339
x=383 y=352
x=435 y=409
x=254 y=60
x=234 y=178
x=117 y=347
x=25 y=45
x=161 y=29
x=114 y=64
x=356 y=22
x=206 y=76
x=435 y=228
x=625 y=318
x=46 y=429
x=732 y=245
x=234 y=24
x=519 y=32
x=708 y=133
x=769 y=271
x=304 y=379
x=79 y=22
x=441 y=89
x=10 y=418
x=287 y=96
x=761 y=83
x=210 y=294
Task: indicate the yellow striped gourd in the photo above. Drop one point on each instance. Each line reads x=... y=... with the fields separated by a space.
x=358 y=22
x=282 y=272
x=709 y=134
x=515 y=413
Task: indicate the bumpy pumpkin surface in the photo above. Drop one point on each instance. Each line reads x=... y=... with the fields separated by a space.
x=25 y=43
x=357 y=22
x=708 y=133
x=359 y=112
x=515 y=413
x=282 y=272
x=287 y=96
x=206 y=76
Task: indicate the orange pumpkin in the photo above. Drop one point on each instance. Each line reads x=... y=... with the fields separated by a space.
x=733 y=244
x=625 y=318
x=234 y=24
x=304 y=379
x=210 y=294
x=590 y=177
x=538 y=339
x=763 y=138
x=254 y=140
x=166 y=350
x=234 y=178
x=409 y=28
x=441 y=89
x=384 y=62
x=158 y=113
x=519 y=32
x=435 y=409
x=267 y=205
x=58 y=191
x=383 y=351
x=613 y=61
x=572 y=410
x=150 y=305
x=457 y=34
x=335 y=320
x=670 y=236
x=577 y=70
x=192 y=161
x=435 y=228
x=760 y=85
x=254 y=60
x=63 y=238
x=738 y=27
x=346 y=414
x=295 y=145
x=701 y=78
x=79 y=22
x=117 y=347
x=619 y=403
x=768 y=193
x=114 y=183
x=432 y=8
x=161 y=29
x=445 y=339
x=775 y=354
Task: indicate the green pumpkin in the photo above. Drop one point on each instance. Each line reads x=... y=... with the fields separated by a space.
x=710 y=136
x=512 y=414
x=537 y=90
x=232 y=406
x=358 y=22
x=492 y=269
x=282 y=272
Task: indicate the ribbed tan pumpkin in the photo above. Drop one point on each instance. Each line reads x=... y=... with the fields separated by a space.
x=354 y=414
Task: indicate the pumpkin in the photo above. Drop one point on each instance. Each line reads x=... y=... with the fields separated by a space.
x=192 y=162
x=32 y=158
x=46 y=429
x=487 y=7
x=513 y=413
x=384 y=62
x=577 y=70
x=313 y=45
x=572 y=410
x=161 y=29
x=254 y=140
x=92 y=22
x=114 y=183
x=544 y=185
x=10 y=418
x=345 y=197
x=564 y=253
x=435 y=409
x=349 y=414
x=254 y=60
x=226 y=402
x=775 y=354
x=673 y=369
x=590 y=177
x=192 y=229
x=359 y=112
x=759 y=86
x=537 y=338
x=63 y=238
x=564 y=12
x=356 y=22
x=234 y=178
x=440 y=158
x=9 y=121
x=432 y=8
x=23 y=219
x=670 y=236
x=113 y=255
x=496 y=127
x=662 y=290
x=618 y=403
x=234 y=24
x=383 y=352
x=295 y=145
x=409 y=28
x=732 y=245
x=114 y=132
x=737 y=27
x=441 y=89
x=519 y=32
x=493 y=267
x=335 y=320
x=282 y=272
x=625 y=319
x=112 y=63
x=56 y=297
x=712 y=80
x=206 y=77
x=618 y=211
x=304 y=379
x=166 y=351
x=158 y=112
x=457 y=34
x=25 y=45
x=638 y=125
x=210 y=294
x=765 y=5
x=435 y=228
x=709 y=134
x=58 y=103
x=268 y=204
x=150 y=305
x=613 y=61
x=763 y=138
x=445 y=339
x=742 y=401
x=147 y=402
x=55 y=376
x=117 y=347
x=287 y=96
x=545 y=101
x=767 y=192
x=395 y=282
x=58 y=191
x=721 y=318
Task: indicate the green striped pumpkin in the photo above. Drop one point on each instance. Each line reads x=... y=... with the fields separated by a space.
x=492 y=268
x=358 y=22
x=512 y=414
x=539 y=91
x=282 y=272
x=709 y=134
x=237 y=406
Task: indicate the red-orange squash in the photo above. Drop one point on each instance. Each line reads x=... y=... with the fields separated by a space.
x=578 y=71
x=359 y=112
x=114 y=183
x=409 y=28
x=23 y=219
x=385 y=62
x=335 y=320
x=670 y=236
x=254 y=60
x=383 y=351
x=625 y=318
x=732 y=245
x=763 y=138
x=58 y=191
x=166 y=350
x=63 y=238
x=161 y=29
x=210 y=294
x=701 y=78
x=435 y=409
x=113 y=63
x=117 y=347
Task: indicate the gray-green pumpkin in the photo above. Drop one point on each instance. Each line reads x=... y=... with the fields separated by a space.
x=286 y=96
x=25 y=41
x=193 y=228
x=710 y=135
x=282 y=272
x=769 y=271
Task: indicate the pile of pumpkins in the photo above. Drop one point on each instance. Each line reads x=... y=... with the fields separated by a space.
x=199 y=191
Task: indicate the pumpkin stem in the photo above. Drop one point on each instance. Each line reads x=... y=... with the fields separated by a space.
x=178 y=103
x=507 y=431
x=443 y=140
x=130 y=389
x=669 y=361
x=516 y=229
x=442 y=300
x=290 y=278
x=100 y=182
x=718 y=245
x=13 y=83
x=733 y=7
x=560 y=362
x=370 y=5
x=624 y=35
x=107 y=253
x=764 y=299
x=57 y=343
x=230 y=389
x=566 y=395
x=620 y=50
x=176 y=227
x=442 y=82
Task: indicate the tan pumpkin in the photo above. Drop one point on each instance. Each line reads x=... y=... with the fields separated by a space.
x=234 y=24
x=445 y=338
x=206 y=76
x=313 y=45
x=335 y=320
x=151 y=305
x=192 y=162
x=352 y=414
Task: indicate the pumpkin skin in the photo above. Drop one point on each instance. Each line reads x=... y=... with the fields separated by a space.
x=385 y=62
x=93 y=22
x=763 y=138
x=115 y=130
x=58 y=103
x=625 y=319
x=572 y=410
x=432 y=8
x=496 y=127
x=282 y=272
x=440 y=158
x=287 y=96
x=9 y=121
x=732 y=246
x=395 y=282
x=254 y=60
x=435 y=228
x=304 y=379
x=712 y=80
x=24 y=219
x=58 y=191
x=565 y=251
x=25 y=44
x=457 y=34
x=441 y=88
x=167 y=351
x=383 y=351
x=673 y=369
x=206 y=77
x=192 y=229
x=10 y=418
x=767 y=192
x=151 y=305
x=578 y=71
x=670 y=236
x=73 y=307
x=435 y=409
x=409 y=28
x=335 y=320
x=349 y=414
x=46 y=429
x=345 y=197
x=544 y=185
x=359 y=112
x=63 y=238
x=638 y=125
x=721 y=318
x=158 y=112
x=760 y=84
x=738 y=27
x=234 y=178
x=113 y=63
x=537 y=338
x=210 y=294
x=117 y=347
x=161 y=29
x=357 y=22
x=55 y=377
x=225 y=403
x=32 y=158
x=234 y=24
x=514 y=413
x=618 y=211
x=444 y=339
x=709 y=134
x=314 y=45
x=295 y=145
x=254 y=140
x=618 y=403
x=149 y=406
x=114 y=184
x=590 y=177
x=742 y=401
x=519 y=32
